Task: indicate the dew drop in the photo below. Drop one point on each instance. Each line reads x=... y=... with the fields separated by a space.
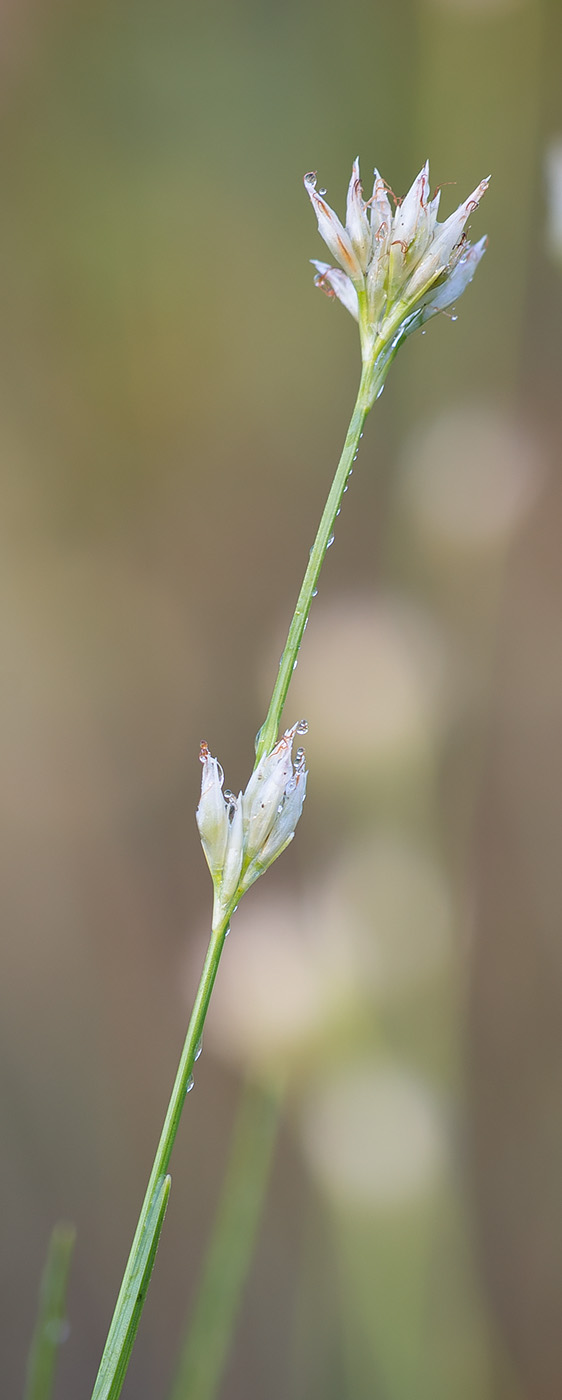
x=189 y=1084
x=380 y=391
x=344 y=491
x=302 y=726
x=322 y=192
x=314 y=592
x=338 y=510
x=330 y=541
x=295 y=664
x=227 y=931
x=280 y=807
x=423 y=332
x=198 y=1049
x=454 y=317
x=350 y=473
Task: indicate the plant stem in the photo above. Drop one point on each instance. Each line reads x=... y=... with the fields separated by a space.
x=370 y=378
x=205 y=1349
x=119 y=1345
x=268 y=733
x=167 y=1137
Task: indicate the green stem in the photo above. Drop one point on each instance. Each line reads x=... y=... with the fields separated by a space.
x=167 y=1139
x=205 y=1349
x=372 y=376
x=268 y=733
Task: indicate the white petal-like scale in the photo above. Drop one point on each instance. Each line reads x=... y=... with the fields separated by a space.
x=381 y=214
x=265 y=792
x=377 y=279
x=234 y=854
x=433 y=210
x=410 y=220
x=449 y=234
x=284 y=828
x=410 y=232
x=356 y=221
x=212 y=813
x=457 y=281
x=336 y=283
x=332 y=231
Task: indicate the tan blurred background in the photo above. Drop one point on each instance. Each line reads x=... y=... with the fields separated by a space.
x=173 y=396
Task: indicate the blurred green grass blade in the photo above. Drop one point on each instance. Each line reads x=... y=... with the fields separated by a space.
x=51 y=1317
x=122 y=1333
x=209 y=1333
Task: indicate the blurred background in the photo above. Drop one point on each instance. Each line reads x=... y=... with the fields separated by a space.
x=173 y=397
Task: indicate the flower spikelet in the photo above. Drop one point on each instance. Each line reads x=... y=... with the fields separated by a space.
x=241 y=836
x=396 y=268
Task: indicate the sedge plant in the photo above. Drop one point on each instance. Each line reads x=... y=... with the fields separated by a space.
x=395 y=267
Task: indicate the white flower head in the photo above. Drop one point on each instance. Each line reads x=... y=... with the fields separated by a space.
x=394 y=266
x=241 y=836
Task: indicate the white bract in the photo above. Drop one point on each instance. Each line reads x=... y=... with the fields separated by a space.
x=395 y=269
x=241 y=836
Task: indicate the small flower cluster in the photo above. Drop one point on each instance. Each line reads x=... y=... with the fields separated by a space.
x=398 y=268
x=241 y=836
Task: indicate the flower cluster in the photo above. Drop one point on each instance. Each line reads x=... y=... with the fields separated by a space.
x=395 y=269
x=241 y=836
